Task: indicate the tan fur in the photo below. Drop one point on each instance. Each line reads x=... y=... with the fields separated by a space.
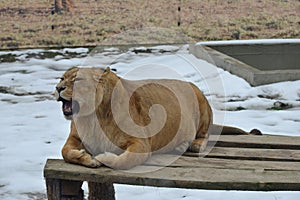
x=97 y=136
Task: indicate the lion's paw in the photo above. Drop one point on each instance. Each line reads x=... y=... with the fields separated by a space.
x=94 y=163
x=86 y=159
x=197 y=148
x=107 y=158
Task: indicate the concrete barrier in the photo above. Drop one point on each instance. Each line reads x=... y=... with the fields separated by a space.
x=258 y=62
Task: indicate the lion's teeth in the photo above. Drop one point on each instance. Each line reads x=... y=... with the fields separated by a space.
x=67 y=107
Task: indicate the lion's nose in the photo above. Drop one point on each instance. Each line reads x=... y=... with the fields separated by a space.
x=59 y=89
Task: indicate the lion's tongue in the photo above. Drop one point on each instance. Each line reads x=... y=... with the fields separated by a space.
x=67 y=107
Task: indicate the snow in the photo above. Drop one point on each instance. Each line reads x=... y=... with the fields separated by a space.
x=33 y=128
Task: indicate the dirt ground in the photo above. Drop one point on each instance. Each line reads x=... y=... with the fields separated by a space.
x=34 y=24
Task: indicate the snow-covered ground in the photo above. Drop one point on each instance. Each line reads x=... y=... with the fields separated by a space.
x=34 y=129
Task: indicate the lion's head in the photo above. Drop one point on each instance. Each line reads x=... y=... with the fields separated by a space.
x=77 y=90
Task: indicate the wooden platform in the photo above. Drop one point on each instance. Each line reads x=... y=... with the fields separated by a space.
x=265 y=163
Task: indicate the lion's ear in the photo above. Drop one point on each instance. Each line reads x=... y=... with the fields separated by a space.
x=104 y=74
x=107 y=70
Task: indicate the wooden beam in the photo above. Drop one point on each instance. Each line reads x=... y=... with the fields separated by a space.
x=200 y=162
x=264 y=141
x=187 y=177
x=250 y=154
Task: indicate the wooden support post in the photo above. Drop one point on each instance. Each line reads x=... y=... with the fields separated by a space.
x=101 y=191
x=58 y=189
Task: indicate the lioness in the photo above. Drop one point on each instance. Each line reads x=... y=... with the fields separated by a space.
x=120 y=123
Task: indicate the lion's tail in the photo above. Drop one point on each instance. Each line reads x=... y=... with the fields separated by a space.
x=229 y=130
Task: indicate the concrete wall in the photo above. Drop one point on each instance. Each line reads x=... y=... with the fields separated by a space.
x=258 y=64
x=264 y=56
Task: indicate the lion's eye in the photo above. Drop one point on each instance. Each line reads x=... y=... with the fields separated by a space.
x=78 y=79
x=62 y=78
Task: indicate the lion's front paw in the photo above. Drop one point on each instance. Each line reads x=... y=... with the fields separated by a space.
x=89 y=161
x=82 y=157
x=107 y=159
x=93 y=163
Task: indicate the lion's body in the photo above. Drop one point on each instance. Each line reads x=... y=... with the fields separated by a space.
x=120 y=123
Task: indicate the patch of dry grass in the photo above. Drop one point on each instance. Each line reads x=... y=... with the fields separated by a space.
x=31 y=24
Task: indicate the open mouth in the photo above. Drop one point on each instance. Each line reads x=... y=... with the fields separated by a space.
x=69 y=107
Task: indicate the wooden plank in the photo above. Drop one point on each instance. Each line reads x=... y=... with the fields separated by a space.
x=200 y=162
x=252 y=141
x=250 y=154
x=206 y=178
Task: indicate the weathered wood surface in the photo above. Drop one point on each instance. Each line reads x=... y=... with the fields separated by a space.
x=191 y=162
x=265 y=141
x=184 y=177
x=250 y=154
x=266 y=163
